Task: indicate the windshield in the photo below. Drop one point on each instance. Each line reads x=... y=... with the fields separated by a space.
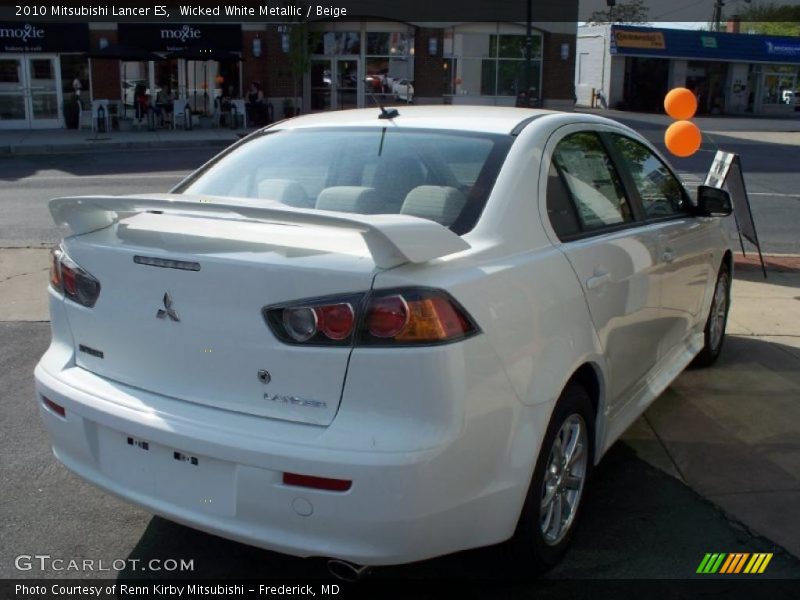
x=444 y=176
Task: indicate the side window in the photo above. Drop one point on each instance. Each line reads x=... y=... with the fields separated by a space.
x=661 y=193
x=559 y=206
x=592 y=181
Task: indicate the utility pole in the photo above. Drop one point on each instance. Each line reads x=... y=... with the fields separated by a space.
x=528 y=49
x=717 y=19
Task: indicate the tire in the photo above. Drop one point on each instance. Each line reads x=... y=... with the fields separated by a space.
x=714 y=332
x=539 y=543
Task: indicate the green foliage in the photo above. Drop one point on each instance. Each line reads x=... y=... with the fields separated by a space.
x=771 y=19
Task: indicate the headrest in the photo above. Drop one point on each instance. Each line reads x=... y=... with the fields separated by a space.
x=349 y=198
x=286 y=191
x=437 y=203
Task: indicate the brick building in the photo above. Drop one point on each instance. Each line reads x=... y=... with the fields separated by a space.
x=452 y=63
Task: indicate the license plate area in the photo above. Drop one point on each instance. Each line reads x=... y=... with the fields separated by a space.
x=170 y=474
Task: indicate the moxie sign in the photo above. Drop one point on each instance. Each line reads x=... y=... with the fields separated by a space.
x=172 y=37
x=18 y=36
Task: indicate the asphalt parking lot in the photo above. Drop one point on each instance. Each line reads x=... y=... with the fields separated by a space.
x=639 y=521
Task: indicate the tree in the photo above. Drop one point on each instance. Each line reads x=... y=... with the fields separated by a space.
x=299 y=57
x=633 y=11
x=302 y=42
x=771 y=19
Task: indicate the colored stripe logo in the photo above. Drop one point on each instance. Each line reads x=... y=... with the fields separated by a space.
x=724 y=563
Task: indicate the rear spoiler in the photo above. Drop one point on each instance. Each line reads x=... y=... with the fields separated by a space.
x=391 y=239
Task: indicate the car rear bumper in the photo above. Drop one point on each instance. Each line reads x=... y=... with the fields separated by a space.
x=403 y=506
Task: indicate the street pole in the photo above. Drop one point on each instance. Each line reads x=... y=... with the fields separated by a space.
x=528 y=50
x=718 y=4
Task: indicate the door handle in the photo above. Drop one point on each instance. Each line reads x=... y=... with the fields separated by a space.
x=599 y=279
x=668 y=255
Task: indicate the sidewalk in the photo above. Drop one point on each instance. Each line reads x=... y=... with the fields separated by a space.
x=47 y=141
x=732 y=432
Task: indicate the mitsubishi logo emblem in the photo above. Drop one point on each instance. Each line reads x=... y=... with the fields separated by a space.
x=167 y=311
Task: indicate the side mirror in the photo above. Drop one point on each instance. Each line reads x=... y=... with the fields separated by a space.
x=713 y=202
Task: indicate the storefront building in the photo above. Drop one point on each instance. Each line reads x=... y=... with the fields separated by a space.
x=349 y=65
x=41 y=65
x=632 y=68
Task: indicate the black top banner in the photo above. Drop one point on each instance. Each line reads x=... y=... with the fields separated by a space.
x=282 y=11
x=442 y=12
x=173 y=37
x=22 y=36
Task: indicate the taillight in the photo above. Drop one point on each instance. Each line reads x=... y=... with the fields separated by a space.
x=320 y=321
x=386 y=316
x=74 y=282
x=405 y=317
x=414 y=317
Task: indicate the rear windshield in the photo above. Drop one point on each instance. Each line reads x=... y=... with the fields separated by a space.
x=444 y=176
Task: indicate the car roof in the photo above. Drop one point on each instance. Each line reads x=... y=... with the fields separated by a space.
x=486 y=119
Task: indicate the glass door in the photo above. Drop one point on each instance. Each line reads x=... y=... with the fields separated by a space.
x=321 y=84
x=30 y=92
x=13 y=111
x=334 y=83
x=346 y=83
x=44 y=87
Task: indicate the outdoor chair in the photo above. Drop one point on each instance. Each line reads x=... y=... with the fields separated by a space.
x=181 y=114
x=85 y=115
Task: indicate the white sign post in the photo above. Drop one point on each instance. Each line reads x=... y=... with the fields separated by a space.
x=727 y=170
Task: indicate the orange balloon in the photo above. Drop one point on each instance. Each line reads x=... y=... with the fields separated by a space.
x=680 y=103
x=683 y=138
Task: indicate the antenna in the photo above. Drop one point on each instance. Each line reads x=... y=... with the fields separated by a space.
x=385 y=114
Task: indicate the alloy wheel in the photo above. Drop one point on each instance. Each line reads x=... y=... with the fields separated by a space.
x=564 y=479
x=719 y=311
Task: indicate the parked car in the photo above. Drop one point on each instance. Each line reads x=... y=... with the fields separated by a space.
x=790 y=97
x=403 y=89
x=382 y=343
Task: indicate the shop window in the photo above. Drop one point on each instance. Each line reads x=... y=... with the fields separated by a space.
x=390 y=64
x=9 y=71
x=491 y=64
x=778 y=84
x=389 y=44
x=338 y=43
x=42 y=69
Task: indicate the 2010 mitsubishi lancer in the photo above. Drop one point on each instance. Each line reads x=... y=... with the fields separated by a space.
x=381 y=337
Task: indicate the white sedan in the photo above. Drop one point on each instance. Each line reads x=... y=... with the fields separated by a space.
x=380 y=338
x=403 y=89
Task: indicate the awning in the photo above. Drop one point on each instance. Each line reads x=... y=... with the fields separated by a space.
x=19 y=36
x=176 y=37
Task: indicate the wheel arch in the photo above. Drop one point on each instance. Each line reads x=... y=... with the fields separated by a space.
x=727 y=260
x=590 y=378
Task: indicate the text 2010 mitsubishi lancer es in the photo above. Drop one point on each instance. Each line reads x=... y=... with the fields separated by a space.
x=380 y=338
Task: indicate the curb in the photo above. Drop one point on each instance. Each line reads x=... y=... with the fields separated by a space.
x=777 y=263
x=35 y=150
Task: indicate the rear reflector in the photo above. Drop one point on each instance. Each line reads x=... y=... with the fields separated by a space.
x=56 y=408
x=317 y=483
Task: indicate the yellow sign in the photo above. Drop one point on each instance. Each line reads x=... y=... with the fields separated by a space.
x=653 y=40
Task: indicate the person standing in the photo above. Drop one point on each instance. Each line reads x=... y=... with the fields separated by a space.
x=256 y=105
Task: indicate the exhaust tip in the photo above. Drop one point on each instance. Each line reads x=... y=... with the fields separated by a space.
x=347 y=571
